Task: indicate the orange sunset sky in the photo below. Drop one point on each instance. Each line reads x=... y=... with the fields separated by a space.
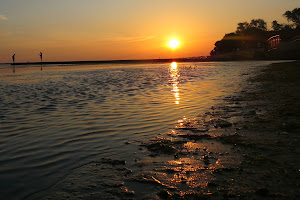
x=66 y=30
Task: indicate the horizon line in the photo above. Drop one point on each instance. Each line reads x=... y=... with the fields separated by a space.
x=159 y=60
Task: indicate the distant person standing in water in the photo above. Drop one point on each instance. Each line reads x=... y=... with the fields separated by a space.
x=41 y=56
x=13 y=58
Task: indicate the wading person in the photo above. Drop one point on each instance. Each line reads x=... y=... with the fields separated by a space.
x=41 y=56
x=13 y=58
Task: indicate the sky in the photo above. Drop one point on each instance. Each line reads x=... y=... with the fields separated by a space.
x=72 y=30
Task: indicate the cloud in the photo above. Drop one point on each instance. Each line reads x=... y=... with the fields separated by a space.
x=138 y=39
x=2 y=17
x=127 y=39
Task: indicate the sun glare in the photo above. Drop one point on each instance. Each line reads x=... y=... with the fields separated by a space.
x=174 y=65
x=173 y=43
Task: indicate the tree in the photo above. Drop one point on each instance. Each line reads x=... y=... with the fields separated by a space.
x=293 y=16
x=254 y=34
x=242 y=27
x=276 y=26
x=258 y=24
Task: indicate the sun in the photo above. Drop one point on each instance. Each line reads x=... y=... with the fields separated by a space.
x=173 y=43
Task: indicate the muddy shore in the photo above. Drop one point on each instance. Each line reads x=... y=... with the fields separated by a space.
x=245 y=148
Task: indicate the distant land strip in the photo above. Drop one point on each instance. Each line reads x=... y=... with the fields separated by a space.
x=142 y=61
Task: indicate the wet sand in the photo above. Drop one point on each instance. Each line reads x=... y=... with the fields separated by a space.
x=244 y=148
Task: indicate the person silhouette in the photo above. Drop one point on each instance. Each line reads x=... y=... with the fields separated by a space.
x=13 y=58
x=41 y=56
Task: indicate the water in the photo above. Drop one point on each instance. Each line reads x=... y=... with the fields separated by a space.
x=55 y=120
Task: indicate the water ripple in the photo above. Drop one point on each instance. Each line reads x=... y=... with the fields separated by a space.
x=55 y=120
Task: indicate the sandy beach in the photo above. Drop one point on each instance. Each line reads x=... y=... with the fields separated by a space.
x=246 y=147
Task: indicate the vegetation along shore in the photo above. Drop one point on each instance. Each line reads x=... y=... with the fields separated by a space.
x=253 y=41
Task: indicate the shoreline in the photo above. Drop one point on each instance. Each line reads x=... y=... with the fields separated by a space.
x=142 y=61
x=244 y=148
x=139 y=61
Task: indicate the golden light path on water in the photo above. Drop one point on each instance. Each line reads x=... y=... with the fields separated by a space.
x=175 y=81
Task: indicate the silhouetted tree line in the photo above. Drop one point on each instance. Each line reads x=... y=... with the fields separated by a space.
x=255 y=34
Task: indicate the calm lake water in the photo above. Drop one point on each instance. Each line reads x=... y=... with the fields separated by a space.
x=55 y=120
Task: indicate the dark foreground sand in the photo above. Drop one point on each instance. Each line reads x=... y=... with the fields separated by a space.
x=245 y=148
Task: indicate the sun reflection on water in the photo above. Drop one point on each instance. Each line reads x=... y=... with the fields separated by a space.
x=174 y=74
